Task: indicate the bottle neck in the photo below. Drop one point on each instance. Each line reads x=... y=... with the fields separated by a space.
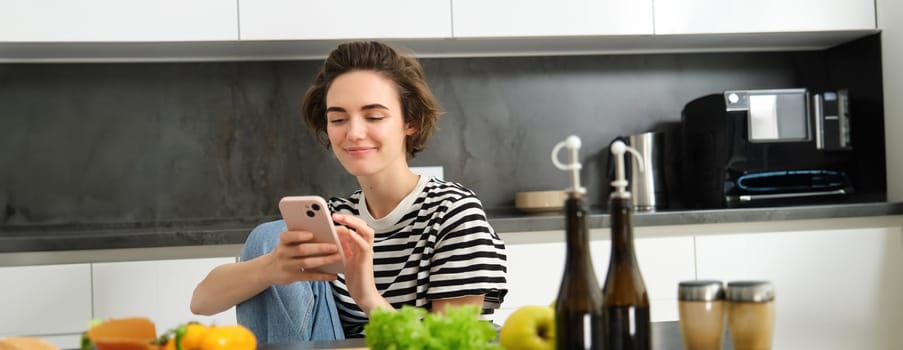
x=621 y=228
x=575 y=226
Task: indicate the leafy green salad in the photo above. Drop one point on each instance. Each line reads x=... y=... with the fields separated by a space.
x=415 y=328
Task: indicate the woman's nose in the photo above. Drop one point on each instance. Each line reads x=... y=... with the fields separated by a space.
x=357 y=129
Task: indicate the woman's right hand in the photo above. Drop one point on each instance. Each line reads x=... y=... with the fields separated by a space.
x=296 y=256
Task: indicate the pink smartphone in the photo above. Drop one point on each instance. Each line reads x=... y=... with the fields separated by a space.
x=310 y=213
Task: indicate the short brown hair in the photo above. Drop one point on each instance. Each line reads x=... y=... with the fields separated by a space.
x=419 y=107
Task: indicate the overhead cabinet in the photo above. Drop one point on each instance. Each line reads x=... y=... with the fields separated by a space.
x=170 y=30
x=762 y=16
x=514 y=18
x=344 y=19
x=117 y=21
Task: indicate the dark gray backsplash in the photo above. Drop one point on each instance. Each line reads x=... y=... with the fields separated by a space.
x=162 y=142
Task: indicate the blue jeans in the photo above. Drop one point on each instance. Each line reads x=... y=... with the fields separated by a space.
x=299 y=311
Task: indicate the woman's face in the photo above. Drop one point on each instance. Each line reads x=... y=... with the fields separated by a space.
x=365 y=123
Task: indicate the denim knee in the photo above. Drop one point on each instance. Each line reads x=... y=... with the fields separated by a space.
x=262 y=240
x=294 y=312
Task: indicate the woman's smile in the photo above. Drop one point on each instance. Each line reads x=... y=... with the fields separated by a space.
x=359 y=151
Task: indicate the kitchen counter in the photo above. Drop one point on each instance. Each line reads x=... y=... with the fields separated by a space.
x=234 y=231
x=665 y=336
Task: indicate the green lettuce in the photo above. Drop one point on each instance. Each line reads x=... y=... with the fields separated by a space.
x=415 y=328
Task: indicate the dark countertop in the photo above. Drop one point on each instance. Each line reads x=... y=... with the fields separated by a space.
x=545 y=222
x=234 y=231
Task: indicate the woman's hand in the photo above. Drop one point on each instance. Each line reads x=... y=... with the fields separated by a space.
x=296 y=255
x=357 y=242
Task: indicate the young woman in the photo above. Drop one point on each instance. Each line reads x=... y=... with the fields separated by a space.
x=408 y=239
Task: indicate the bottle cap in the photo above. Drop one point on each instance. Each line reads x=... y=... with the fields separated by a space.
x=572 y=143
x=700 y=290
x=618 y=149
x=750 y=291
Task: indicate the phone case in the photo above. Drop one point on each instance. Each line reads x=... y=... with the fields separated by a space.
x=310 y=213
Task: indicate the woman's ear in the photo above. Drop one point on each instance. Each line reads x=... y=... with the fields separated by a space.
x=410 y=129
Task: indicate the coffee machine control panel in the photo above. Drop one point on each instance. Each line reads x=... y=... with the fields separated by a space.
x=736 y=100
x=831 y=112
x=776 y=115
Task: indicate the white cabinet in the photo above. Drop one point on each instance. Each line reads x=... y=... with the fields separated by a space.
x=112 y=20
x=159 y=290
x=845 y=283
x=762 y=16
x=57 y=302
x=534 y=275
x=664 y=262
x=889 y=14
x=837 y=288
x=344 y=19
x=171 y=30
x=535 y=270
x=514 y=18
x=53 y=300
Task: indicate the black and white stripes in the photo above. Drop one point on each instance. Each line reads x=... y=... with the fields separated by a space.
x=436 y=244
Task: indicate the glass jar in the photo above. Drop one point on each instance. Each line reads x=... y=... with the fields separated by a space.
x=701 y=311
x=751 y=314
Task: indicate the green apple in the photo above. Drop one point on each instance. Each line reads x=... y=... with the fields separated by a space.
x=530 y=327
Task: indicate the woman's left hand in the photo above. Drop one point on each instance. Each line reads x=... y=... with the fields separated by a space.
x=357 y=242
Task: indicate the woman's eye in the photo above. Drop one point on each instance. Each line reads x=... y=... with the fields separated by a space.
x=337 y=120
x=375 y=117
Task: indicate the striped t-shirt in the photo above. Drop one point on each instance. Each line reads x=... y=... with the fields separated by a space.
x=435 y=244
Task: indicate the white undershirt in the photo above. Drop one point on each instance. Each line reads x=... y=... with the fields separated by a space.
x=396 y=214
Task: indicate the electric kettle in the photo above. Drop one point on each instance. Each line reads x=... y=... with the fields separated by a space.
x=647 y=185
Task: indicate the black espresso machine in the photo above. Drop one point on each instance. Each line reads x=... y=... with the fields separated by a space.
x=748 y=148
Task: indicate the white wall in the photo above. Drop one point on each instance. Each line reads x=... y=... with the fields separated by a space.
x=890 y=15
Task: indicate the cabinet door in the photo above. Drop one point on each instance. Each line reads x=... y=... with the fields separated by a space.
x=837 y=289
x=518 y=18
x=159 y=290
x=46 y=300
x=762 y=16
x=344 y=19
x=112 y=20
x=534 y=275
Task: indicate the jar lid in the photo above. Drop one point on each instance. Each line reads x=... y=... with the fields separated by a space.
x=700 y=290
x=750 y=291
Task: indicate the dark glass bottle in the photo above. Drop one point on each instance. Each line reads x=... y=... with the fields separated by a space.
x=578 y=310
x=625 y=305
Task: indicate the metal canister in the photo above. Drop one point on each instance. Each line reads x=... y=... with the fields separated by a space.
x=701 y=310
x=751 y=314
x=647 y=185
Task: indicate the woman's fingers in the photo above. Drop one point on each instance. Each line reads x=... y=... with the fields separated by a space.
x=313 y=262
x=355 y=224
x=305 y=268
x=299 y=256
x=295 y=244
x=295 y=237
x=345 y=241
x=352 y=241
